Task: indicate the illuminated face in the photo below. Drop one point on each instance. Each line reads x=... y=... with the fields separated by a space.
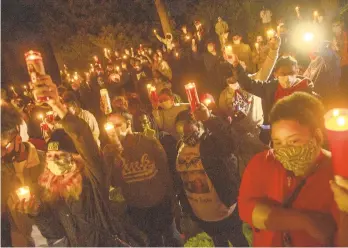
x=9 y=144
x=121 y=128
x=259 y=39
x=295 y=146
x=219 y=19
x=287 y=71
x=59 y=162
x=120 y=102
x=211 y=47
x=165 y=101
x=290 y=132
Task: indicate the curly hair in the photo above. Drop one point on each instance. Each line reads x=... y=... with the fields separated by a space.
x=302 y=107
x=10 y=118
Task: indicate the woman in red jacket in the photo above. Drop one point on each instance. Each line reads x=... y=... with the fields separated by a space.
x=285 y=193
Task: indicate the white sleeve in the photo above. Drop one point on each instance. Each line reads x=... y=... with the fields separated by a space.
x=24 y=131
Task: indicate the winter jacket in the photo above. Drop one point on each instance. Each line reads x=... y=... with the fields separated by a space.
x=265 y=90
x=86 y=221
x=217 y=151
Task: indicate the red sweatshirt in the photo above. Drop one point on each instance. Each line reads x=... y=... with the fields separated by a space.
x=265 y=177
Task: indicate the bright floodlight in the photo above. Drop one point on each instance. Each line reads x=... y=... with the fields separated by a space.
x=308 y=37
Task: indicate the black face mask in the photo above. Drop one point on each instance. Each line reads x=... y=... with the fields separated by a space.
x=192 y=139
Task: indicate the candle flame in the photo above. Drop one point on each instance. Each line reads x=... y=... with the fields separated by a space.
x=40 y=116
x=341 y=121
x=190 y=85
x=207 y=101
x=23 y=190
x=315 y=13
x=108 y=126
x=270 y=32
x=336 y=112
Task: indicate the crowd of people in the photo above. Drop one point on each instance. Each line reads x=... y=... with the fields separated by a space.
x=249 y=156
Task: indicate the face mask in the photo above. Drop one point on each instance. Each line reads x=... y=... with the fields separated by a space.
x=121 y=134
x=61 y=165
x=192 y=139
x=297 y=158
x=287 y=81
x=167 y=104
x=10 y=157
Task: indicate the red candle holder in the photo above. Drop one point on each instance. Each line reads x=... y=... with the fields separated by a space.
x=152 y=93
x=336 y=123
x=192 y=95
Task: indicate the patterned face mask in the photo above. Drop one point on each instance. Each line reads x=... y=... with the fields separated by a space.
x=297 y=158
x=192 y=139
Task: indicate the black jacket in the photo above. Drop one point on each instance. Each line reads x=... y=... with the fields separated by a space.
x=86 y=221
x=265 y=90
x=217 y=151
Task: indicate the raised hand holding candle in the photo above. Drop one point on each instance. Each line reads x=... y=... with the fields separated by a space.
x=23 y=193
x=192 y=95
x=336 y=124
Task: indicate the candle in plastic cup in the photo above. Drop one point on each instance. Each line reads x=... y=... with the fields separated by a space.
x=192 y=95
x=336 y=123
x=23 y=193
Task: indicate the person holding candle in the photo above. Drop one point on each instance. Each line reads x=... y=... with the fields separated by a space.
x=140 y=168
x=21 y=164
x=279 y=191
x=167 y=41
x=74 y=108
x=286 y=82
x=243 y=51
x=260 y=52
x=72 y=208
x=208 y=167
x=166 y=115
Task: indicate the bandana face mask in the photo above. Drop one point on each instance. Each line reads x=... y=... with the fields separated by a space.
x=60 y=164
x=297 y=158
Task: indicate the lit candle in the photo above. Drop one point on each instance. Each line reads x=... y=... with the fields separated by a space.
x=40 y=117
x=109 y=126
x=192 y=95
x=118 y=68
x=152 y=93
x=257 y=46
x=187 y=37
x=35 y=65
x=336 y=123
x=207 y=102
x=177 y=54
x=124 y=56
x=315 y=13
x=155 y=31
x=13 y=90
x=270 y=33
x=23 y=193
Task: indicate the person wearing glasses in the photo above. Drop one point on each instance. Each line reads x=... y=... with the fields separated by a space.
x=21 y=164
